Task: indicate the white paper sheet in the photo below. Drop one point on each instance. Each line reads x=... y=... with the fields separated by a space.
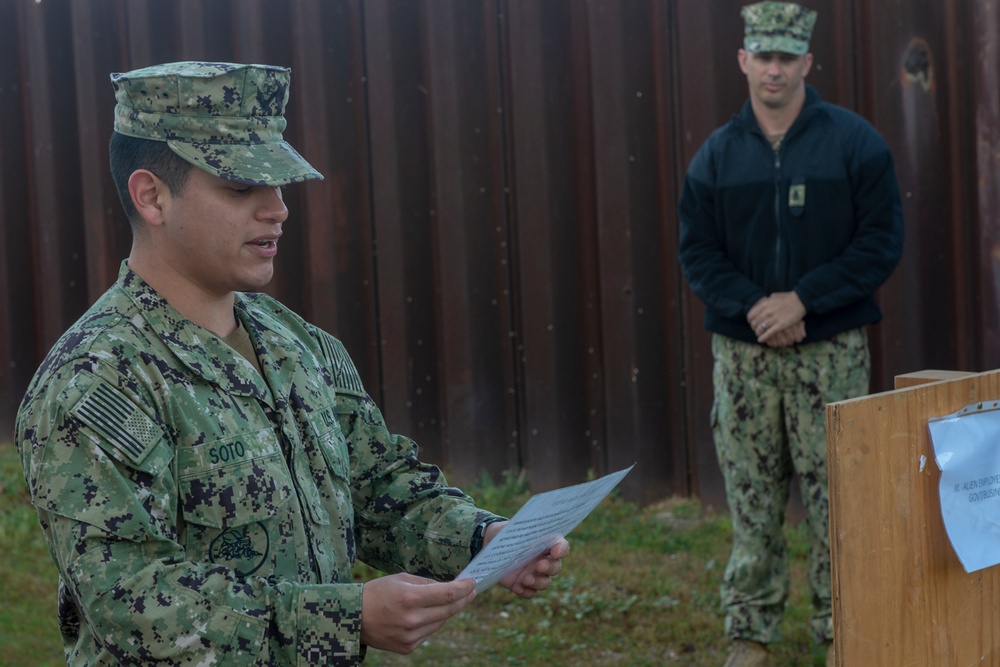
x=536 y=527
x=967 y=450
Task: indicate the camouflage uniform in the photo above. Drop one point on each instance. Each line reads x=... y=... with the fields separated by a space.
x=768 y=419
x=201 y=514
x=199 y=511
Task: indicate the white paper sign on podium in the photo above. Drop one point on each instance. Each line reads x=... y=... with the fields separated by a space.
x=967 y=450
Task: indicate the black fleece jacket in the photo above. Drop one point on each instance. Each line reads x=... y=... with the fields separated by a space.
x=820 y=216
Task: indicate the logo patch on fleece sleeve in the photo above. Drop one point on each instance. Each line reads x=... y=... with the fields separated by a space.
x=118 y=422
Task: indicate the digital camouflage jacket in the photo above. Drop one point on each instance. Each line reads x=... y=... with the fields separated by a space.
x=201 y=514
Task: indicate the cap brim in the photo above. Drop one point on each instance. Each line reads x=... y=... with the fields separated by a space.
x=776 y=45
x=274 y=163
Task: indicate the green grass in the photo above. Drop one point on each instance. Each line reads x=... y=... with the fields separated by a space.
x=639 y=588
x=28 y=581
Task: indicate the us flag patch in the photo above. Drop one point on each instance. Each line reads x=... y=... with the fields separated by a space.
x=346 y=378
x=119 y=421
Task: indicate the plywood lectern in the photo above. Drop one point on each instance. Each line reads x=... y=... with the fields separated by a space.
x=900 y=594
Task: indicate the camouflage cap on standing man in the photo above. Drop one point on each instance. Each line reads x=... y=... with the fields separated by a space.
x=782 y=27
x=225 y=118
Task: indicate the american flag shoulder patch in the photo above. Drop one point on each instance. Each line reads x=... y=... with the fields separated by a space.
x=345 y=373
x=118 y=421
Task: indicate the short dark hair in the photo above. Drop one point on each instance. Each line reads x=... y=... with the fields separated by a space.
x=128 y=154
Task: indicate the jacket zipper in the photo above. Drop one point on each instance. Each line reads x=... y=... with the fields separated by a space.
x=778 y=263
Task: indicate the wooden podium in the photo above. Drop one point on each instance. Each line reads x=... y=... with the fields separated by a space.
x=900 y=594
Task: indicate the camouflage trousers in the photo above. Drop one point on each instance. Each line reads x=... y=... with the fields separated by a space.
x=768 y=419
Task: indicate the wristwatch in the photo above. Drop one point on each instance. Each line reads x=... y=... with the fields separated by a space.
x=476 y=545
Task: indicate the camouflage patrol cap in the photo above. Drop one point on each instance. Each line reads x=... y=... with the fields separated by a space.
x=782 y=27
x=225 y=118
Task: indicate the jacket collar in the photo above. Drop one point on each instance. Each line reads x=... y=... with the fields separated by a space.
x=810 y=107
x=205 y=354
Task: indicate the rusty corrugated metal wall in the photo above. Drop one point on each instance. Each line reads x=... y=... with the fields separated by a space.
x=495 y=240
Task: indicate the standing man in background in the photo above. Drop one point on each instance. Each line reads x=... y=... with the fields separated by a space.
x=206 y=465
x=790 y=221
